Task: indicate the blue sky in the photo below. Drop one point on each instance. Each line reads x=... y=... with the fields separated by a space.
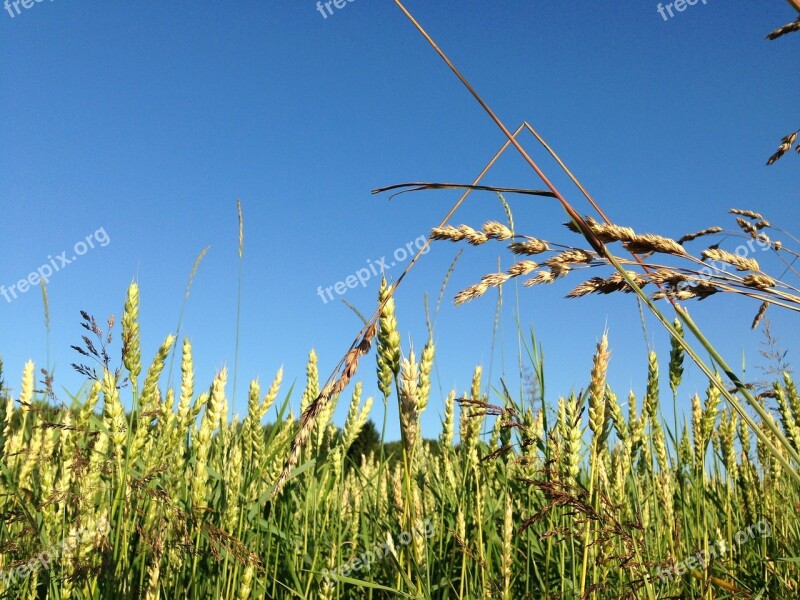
x=148 y=120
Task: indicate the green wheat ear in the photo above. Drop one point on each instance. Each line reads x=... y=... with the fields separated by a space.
x=388 y=355
x=131 y=346
x=599 y=414
x=676 y=356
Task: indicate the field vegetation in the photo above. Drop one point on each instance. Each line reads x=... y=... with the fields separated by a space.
x=133 y=489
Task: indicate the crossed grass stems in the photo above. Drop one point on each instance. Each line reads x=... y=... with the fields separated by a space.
x=675 y=284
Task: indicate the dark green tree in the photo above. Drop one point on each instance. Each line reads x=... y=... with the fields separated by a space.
x=368 y=440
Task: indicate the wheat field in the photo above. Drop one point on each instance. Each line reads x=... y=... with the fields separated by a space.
x=597 y=495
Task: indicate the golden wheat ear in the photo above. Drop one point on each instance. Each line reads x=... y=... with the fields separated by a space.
x=784 y=147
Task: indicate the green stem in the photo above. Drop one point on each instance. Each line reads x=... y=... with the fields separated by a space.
x=238 y=328
x=587 y=530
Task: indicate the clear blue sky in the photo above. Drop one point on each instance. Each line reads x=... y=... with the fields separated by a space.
x=148 y=120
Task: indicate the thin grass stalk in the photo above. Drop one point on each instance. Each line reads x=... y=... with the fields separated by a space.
x=192 y=274
x=46 y=308
x=238 y=300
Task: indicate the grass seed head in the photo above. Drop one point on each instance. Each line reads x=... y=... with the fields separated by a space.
x=388 y=355
x=741 y=264
x=529 y=247
x=703 y=232
x=497 y=231
x=522 y=268
x=131 y=348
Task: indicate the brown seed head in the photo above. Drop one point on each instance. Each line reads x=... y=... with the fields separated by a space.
x=472 y=292
x=569 y=257
x=448 y=232
x=522 y=268
x=476 y=238
x=529 y=247
x=783 y=30
x=542 y=277
x=666 y=276
x=495 y=279
x=741 y=264
x=747 y=227
x=745 y=213
x=761 y=282
x=760 y=315
x=497 y=231
x=642 y=244
x=693 y=236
